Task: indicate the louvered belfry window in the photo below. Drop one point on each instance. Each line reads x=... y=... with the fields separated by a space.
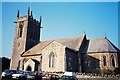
x=20 y=29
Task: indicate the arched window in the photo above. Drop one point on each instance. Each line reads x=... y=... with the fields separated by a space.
x=113 y=61
x=28 y=68
x=20 y=30
x=18 y=65
x=51 y=60
x=104 y=61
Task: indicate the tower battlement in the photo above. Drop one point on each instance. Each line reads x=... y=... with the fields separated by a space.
x=27 y=35
x=27 y=17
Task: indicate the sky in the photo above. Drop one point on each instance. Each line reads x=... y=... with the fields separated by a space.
x=62 y=19
x=60 y=0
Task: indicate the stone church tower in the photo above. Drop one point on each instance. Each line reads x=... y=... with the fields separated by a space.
x=26 y=36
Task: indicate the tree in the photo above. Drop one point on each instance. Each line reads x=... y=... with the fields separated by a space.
x=117 y=71
x=107 y=71
x=5 y=63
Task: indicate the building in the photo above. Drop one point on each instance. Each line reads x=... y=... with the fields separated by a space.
x=77 y=54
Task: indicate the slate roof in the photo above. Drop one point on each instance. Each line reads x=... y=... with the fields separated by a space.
x=100 y=45
x=35 y=61
x=97 y=45
x=72 y=43
x=36 y=49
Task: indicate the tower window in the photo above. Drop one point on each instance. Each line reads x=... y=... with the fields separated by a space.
x=104 y=61
x=20 y=30
x=113 y=61
x=51 y=60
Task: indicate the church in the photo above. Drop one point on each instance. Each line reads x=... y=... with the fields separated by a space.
x=77 y=54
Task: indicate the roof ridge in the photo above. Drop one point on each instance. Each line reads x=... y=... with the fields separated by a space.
x=47 y=44
x=73 y=37
x=64 y=38
x=97 y=38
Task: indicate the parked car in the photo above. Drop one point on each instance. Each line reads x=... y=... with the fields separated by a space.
x=19 y=75
x=30 y=75
x=7 y=74
x=38 y=76
x=50 y=77
x=69 y=76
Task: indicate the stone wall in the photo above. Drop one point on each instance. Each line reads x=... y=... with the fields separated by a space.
x=90 y=64
x=23 y=60
x=19 y=43
x=99 y=56
x=59 y=52
x=93 y=62
x=29 y=63
x=71 y=60
x=23 y=40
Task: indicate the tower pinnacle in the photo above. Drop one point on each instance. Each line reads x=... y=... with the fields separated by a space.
x=28 y=11
x=31 y=14
x=40 y=21
x=18 y=14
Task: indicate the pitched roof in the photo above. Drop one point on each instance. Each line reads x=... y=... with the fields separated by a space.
x=101 y=45
x=71 y=43
x=35 y=61
x=35 y=50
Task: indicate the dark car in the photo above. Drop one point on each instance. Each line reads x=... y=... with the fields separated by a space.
x=68 y=78
x=38 y=76
x=7 y=74
x=50 y=77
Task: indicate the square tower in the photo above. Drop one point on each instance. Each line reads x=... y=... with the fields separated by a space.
x=27 y=35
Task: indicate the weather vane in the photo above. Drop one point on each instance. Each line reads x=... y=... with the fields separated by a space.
x=84 y=32
x=30 y=5
x=105 y=35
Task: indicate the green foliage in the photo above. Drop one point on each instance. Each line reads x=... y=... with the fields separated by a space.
x=110 y=72
x=117 y=71
x=107 y=71
x=5 y=63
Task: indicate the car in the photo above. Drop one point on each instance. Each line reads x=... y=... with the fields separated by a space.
x=38 y=76
x=68 y=78
x=19 y=75
x=7 y=74
x=30 y=75
x=70 y=74
x=50 y=77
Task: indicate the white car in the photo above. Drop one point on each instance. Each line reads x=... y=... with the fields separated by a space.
x=69 y=74
x=19 y=75
x=7 y=74
x=3 y=74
